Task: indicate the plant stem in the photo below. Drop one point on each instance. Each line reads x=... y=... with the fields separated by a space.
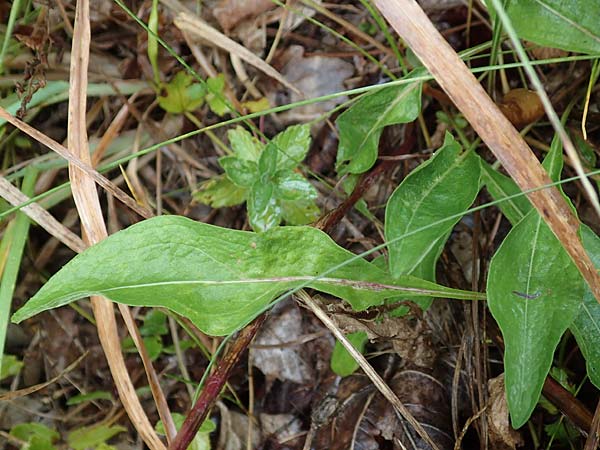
x=214 y=384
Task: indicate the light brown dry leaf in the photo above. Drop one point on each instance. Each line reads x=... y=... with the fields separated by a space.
x=501 y=434
x=522 y=107
x=231 y=12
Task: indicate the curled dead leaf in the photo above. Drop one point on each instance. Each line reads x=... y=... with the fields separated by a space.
x=501 y=435
x=521 y=107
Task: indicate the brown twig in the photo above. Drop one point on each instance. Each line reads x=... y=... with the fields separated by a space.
x=214 y=385
x=592 y=440
x=413 y=25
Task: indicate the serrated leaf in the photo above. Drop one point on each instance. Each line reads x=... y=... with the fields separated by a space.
x=263 y=210
x=244 y=145
x=86 y=437
x=293 y=144
x=360 y=126
x=534 y=293
x=586 y=326
x=241 y=172
x=183 y=94
x=568 y=25
x=220 y=278
x=445 y=185
x=293 y=186
x=267 y=163
x=500 y=186
x=220 y=192
x=342 y=362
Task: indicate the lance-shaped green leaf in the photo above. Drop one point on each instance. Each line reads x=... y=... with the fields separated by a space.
x=220 y=278
x=360 y=126
x=534 y=293
x=570 y=25
x=444 y=186
x=500 y=186
x=586 y=326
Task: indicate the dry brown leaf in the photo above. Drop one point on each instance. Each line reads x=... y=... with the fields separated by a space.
x=231 y=12
x=501 y=434
x=522 y=107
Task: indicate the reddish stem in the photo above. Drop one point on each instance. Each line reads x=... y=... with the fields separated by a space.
x=214 y=385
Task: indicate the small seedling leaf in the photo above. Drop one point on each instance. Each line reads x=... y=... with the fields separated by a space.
x=293 y=144
x=220 y=278
x=215 y=96
x=244 y=145
x=86 y=437
x=220 y=192
x=242 y=172
x=182 y=94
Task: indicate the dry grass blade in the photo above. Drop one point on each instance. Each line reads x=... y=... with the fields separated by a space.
x=38 y=214
x=94 y=229
x=413 y=25
x=385 y=390
x=195 y=27
x=76 y=162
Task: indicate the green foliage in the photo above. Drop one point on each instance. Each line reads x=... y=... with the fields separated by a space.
x=361 y=125
x=82 y=398
x=500 y=186
x=342 y=363
x=36 y=435
x=184 y=94
x=11 y=366
x=92 y=437
x=571 y=25
x=265 y=177
x=202 y=439
x=152 y=330
x=444 y=186
x=220 y=278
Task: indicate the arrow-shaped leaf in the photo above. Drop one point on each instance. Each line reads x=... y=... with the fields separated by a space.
x=220 y=278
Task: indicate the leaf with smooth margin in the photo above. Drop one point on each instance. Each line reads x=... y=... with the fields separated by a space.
x=361 y=125
x=220 y=278
x=569 y=25
x=586 y=326
x=444 y=186
x=500 y=186
x=534 y=293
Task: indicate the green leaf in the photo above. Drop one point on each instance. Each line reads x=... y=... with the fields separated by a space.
x=445 y=185
x=534 y=293
x=215 y=97
x=293 y=144
x=86 y=437
x=500 y=186
x=244 y=145
x=293 y=186
x=155 y=323
x=220 y=192
x=220 y=278
x=82 y=398
x=38 y=443
x=201 y=441
x=153 y=344
x=182 y=94
x=11 y=366
x=586 y=326
x=242 y=172
x=360 y=126
x=263 y=209
x=569 y=25
x=25 y=431
x=299 y=212
x=342 y=363
x=267 y=163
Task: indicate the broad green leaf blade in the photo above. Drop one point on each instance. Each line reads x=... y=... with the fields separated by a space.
x=299 y=212
x=586 y=326
x=445 y=185
x=293 y=186
x=500 y=186
x=534 y=293
x=569 y=25
x=87 y=437
x=242 y=172
x=292 y=144
x=219 y=192
x=220 y=278
x=263 y=209
x=243 y=144
x=360 y=126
